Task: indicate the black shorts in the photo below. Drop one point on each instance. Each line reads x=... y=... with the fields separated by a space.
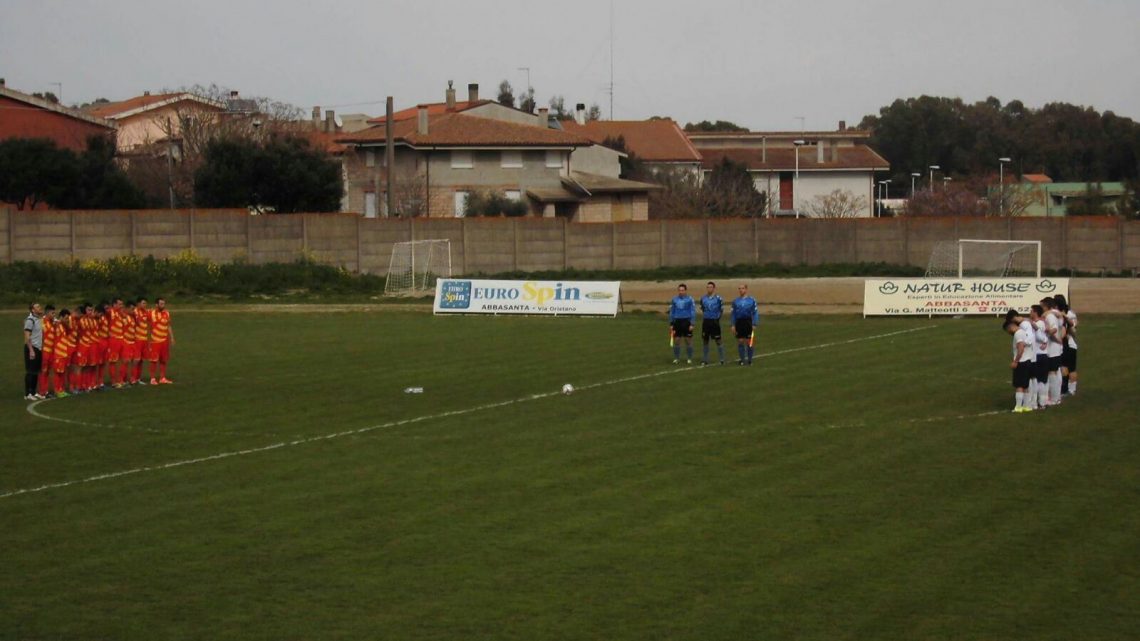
x=743 y=328
x=1054 y=363
x=1022 y=373
x=683 y=328
x=1041 y=368
x=710 y=328
x=1069 y=359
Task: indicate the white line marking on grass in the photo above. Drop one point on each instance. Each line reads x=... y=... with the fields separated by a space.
x=150 y=430
x=418 y=419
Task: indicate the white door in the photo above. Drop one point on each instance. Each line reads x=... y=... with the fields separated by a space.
x=460 y=204
x=369 y=204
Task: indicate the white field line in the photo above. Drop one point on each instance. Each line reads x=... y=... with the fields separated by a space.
x=409 y=421
x=150 y=430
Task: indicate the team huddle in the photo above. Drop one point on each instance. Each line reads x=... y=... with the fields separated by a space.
x=103 y=344
x=1044 y=353
x=683 y=315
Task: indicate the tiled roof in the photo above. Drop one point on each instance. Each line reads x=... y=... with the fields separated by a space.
x=594 y=183
x=144 y=102
x=651 y=140
x=1036 y=178
x=784 y=159
x=698 y=136
x=324 y=140
x=57 y=108
x=434 y=109
x=458 y=130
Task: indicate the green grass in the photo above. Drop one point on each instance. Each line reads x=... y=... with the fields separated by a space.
x=822 y=494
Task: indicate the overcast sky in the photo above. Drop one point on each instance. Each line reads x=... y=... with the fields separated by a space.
x=761 y=64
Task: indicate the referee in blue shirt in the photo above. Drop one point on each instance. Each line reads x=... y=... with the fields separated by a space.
x=712 y=308
x=682 y=313
x=745 y=317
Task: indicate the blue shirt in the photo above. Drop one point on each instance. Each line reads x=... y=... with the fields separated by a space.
x=745 y=307
x=712 y=306
x=682 y=307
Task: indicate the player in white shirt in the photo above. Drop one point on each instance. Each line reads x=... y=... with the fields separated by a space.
x=1022 y=364
x=1040 y=346
x=1069 y=355
x=1033 y=392
x=1055 y=330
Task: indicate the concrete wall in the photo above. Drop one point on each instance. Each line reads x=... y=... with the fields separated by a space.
x=490 y=245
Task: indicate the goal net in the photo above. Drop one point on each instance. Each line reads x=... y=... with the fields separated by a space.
x=416 y=265
x=968 y=258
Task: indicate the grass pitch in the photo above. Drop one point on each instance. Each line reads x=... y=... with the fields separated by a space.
x=874 y=489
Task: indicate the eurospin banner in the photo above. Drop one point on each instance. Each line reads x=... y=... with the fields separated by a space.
x=548 y=297
x=929 y=296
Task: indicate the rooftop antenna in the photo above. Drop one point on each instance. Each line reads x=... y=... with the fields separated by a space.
x=611 y=59
x=801 y=119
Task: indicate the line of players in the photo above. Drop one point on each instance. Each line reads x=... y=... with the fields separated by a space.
x=97 y=343
x=1044 y=354
x=745 y=316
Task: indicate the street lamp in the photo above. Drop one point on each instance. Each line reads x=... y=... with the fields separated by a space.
x=913 y=175
x=945 y=180
x=933 y=168
x=1001 y=183
x=796 y=184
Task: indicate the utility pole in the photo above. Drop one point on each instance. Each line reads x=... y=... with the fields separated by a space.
x=389 y=157
x=611 y=59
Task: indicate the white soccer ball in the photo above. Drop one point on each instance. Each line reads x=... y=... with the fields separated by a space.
x=568 y=389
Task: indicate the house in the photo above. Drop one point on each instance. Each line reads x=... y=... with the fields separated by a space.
x=792 y=168
x=151 y=118
x=444 y=152
x=323 y=134
x=659 y=143
x=1047 y=198
x=25 y=116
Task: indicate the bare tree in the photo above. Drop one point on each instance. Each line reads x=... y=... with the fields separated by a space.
x=411 y=194
x=840 y=203
x=972 y=197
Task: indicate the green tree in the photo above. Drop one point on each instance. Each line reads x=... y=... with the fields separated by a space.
x=1090 y=203
x=719 y=125
x=100 y=182
x=283 y=174
x=729 y=192
x=493 y=203
x=527 y=102
x=558 y=108
x=48 y=96
x=35 y=171
x=506 y=94
x=593 y=113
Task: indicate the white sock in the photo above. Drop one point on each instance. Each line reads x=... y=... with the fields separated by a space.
x=1055 y=385
x=1042 y=394
x=1020 y=396
x=1072 y=387
x=1031 y=394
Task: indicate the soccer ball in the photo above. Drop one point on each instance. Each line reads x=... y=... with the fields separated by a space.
x=568 y=389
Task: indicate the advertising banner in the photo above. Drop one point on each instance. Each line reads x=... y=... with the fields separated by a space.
x=929 y=296
x=547 y=297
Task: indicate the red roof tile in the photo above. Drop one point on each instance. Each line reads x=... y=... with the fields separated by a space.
x=651 y=140
x=434 y=109
x=112 y=109
x=784 y=158
x=1036 y=178
x=458 y=130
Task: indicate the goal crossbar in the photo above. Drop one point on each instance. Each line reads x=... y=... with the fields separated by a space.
x=415 y=265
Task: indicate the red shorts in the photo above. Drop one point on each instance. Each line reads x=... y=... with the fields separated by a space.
x=104 y=347
x=62 y=362
x=158 y=351
x=79 y=358
x=131 y=351
x=114 y=350
x=48 y=362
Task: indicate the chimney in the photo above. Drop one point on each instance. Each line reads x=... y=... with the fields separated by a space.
x=146 y=93
x=473 y=92
x=842 y=125
x=2 y=83
x=544 y=117
x=450 y=96
x=422 y=120
x=819 y=151
x=317 y=117
x=580 y=113
x=233 y=94
x=330 y=121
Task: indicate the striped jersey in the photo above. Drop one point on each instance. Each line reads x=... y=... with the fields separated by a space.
x=159 y=325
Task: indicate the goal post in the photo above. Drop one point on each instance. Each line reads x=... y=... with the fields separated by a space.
x=416 y=265
x=976 y=258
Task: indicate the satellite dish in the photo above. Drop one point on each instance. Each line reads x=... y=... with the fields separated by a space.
x=338 y=122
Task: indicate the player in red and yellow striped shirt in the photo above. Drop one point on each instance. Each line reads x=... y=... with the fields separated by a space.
x=102 y=343
x=66 y=341
x=48 y=363
x=161 y=339
x=130 y=346
x=142 y=338
x=116 y=325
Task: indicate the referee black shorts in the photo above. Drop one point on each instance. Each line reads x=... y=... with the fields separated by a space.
x=743 y=328
x=710 y=328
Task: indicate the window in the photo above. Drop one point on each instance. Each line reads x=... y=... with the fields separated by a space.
x=513 y=194
x=462 y=160
x=461 y=203
x=512 y=159
x=370 y=158
x=553 y=159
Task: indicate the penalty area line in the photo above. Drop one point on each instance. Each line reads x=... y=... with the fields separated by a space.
x=409 y=421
